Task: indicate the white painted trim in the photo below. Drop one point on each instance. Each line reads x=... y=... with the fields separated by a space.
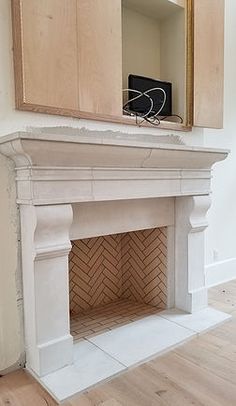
x=220 y=272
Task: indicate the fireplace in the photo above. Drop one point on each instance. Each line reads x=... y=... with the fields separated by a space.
x=116 y=279
x=129 y=212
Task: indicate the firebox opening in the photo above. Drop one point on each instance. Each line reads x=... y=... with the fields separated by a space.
x=116 y=279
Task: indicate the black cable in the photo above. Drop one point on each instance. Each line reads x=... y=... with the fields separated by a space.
x=154 y=118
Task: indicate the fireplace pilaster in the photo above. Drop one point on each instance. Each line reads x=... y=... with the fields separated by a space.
x=190 y=223
x=45 y=249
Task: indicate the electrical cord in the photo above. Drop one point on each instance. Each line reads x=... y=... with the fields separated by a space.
x=154 y=118
x=173 y=115
x=140 y=94
x=145 y=94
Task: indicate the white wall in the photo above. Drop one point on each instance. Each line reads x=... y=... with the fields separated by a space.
x=220 y=236
x=10 y=281
x=141 y=43
x=173 y=58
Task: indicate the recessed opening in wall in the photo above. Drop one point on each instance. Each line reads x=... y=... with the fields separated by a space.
x=117 y=279
x=154 y=46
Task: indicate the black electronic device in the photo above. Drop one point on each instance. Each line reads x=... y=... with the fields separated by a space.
x=142 y=105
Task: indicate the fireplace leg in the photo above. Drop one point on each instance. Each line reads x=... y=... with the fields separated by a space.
x=45 y=249
x=190 y=223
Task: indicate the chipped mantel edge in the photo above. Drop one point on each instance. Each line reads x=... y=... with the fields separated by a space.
x=82 y=136
x=61 y=168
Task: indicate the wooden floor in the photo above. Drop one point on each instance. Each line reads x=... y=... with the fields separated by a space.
x=201 y=372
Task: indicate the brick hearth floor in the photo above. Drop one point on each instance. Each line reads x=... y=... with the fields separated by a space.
x=107 y=317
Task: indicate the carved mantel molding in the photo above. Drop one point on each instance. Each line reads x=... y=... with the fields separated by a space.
x=57 y=168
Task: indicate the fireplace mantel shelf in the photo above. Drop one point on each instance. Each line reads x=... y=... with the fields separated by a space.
x=80 y=165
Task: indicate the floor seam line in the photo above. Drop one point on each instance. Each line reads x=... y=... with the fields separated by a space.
x=123 y=365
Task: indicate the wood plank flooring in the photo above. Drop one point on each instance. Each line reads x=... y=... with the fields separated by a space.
x=201 y=372
x=20 y=389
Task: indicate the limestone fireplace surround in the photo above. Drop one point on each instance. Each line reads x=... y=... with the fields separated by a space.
x=75 y=184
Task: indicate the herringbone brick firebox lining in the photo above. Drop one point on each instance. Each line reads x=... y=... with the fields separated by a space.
x=119 y=277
